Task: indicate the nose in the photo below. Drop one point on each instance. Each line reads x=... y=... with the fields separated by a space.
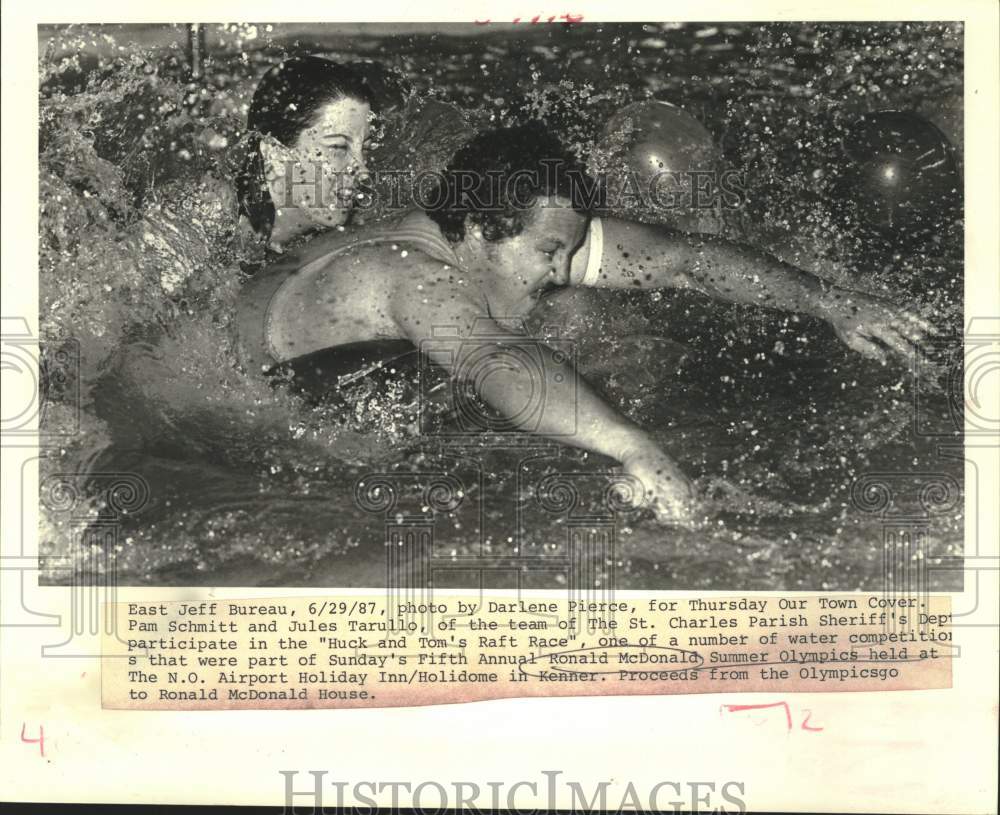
x=560 y=269
x=358 y=165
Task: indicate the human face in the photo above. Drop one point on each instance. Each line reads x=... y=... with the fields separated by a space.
x=318 y=176
x=539 y=257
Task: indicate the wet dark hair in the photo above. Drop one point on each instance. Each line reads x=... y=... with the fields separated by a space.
x=285 y=103
x=494 y=180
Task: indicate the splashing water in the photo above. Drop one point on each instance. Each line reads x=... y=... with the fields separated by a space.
x=140 y=265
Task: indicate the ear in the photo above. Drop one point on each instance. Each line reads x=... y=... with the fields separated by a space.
x=276 y=158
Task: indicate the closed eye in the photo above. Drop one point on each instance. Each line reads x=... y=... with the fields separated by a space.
x=337 y=141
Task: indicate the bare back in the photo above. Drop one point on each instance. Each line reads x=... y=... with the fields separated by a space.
x=338 y=293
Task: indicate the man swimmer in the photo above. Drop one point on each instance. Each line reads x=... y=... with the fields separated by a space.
x=507 y=230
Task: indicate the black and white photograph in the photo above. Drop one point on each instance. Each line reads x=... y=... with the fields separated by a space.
x=517 y=303
x=500 y=407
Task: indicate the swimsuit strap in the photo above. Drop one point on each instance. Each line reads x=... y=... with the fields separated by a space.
x=415 y=228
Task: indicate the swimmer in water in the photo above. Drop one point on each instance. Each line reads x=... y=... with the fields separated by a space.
x=310 y=128
x=308 y=117
x=506 y=232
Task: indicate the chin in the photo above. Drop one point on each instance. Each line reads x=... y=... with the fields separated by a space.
x=328 y=217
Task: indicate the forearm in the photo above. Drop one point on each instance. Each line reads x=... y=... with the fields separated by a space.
x=537 y=388
x=742 y=274
x=627 y=255
x=645 y=256
x=534 y=385
x=568 y=411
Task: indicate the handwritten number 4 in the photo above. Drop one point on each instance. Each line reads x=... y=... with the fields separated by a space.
x=40 y=741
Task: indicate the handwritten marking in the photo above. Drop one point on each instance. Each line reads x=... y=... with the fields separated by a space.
x=807 y=726
x=569 y=18
x=741 y=708
x=788 y=714
x=40 y=741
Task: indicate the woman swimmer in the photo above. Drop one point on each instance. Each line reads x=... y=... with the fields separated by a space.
x=309 y=121
x=310 y=127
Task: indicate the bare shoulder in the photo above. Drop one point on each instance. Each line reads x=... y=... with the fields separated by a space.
x=406 y=263
x=426 y=291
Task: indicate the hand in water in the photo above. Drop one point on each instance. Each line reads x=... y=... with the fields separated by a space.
x=665 y=489
x=872 y=327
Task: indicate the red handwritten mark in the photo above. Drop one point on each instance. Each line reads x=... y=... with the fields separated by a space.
x=807 y=726
x=40 y=741
x=569 y=18
x=788 y=714
x=741 y=708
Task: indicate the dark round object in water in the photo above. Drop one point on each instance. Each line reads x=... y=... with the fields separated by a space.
x=660 y=137
x=903 y=175
x=665 y=156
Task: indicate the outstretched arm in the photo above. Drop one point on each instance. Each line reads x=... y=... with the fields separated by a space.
x=634 y=255
x=456 y=333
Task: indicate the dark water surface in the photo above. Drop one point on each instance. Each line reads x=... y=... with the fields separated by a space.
x=251 y=485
